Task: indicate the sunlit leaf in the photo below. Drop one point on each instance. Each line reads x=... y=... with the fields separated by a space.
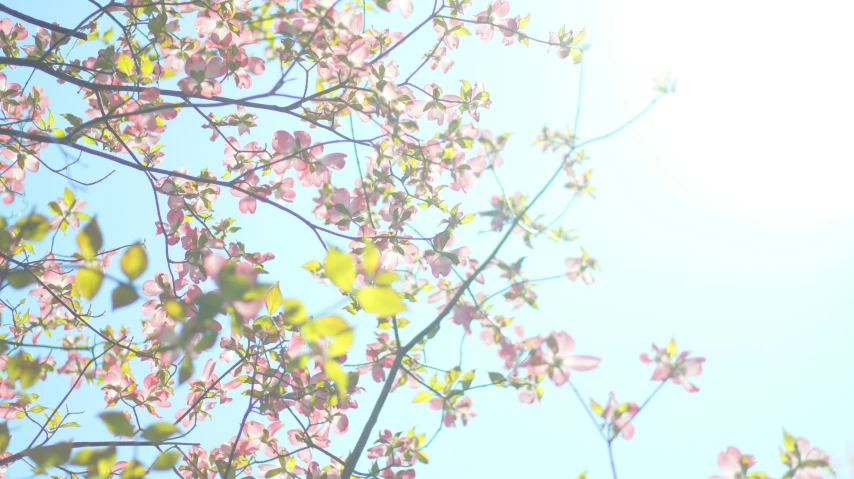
x=117 y=423
x=295 y=312
x=380 y=301
x=89 y=282
x=90 y=240
x=134 y=261
x=33 y=227
x=159 y=431
x=370 y=258
x=134 y=470
x=274 y=299
x=166 y=460
x=340 y=269
x=338 y=333
x=50 y=456
x=337 y=374
x=423 y=396
x=125 y=64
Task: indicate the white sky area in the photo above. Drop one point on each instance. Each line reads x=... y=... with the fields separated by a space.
x=723 y=218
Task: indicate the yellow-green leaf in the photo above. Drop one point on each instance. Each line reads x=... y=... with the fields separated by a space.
x=20 y=279
x=575 y=53
x=134 y=470
x=336 y=373
x=597 y=408
x=33 y=227
x=159 y=431
x=380 y=301
x=124 y=295
x=671 y=348
x=274 y=299
x=90 y=240
x=166 y=460
x=89 y=282
x=789 y=442
x=68 y=196
x=146 y=66
x=330 y=327
x=423 y=396
x=370 y=258
x=313 y=266
x=175 y=309
x=125 y=64
x=340 y=269
x=50 y=456
x=4 y=437
x=386 y=278
x=134 y=261
x=577 y=37
x=295 y=312
x=117 y=423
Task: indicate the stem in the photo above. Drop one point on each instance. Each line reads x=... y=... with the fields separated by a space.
x=42 y=23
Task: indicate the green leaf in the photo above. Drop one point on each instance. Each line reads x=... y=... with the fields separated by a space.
x=274 y=299
x=124 y=295
x=89 y=282
x=370 y=258
x=134 y=261
x=467 y=378
x=20 y=279
x=380 y=301
x=99 y=462
x=146 y=66
x=134 y=470
x=224 y=471
x=159 y=431
x=90 y=240
x=578 y=37
x=187 y=370
x=23 y=367
x=340 y=269
x=166 y=461
x=789 y=442
x=4 y=437
x=33 y=227
x=423 y=396
x=118 y=424
x=336 y=373
x=68 y=196
x=50 y=456
x=125 y=64
x=575 y=53
x=333 y=327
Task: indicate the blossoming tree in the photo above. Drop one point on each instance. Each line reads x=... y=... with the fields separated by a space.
x=216 y=327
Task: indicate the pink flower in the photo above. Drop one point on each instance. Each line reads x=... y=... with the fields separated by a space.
x=557 y=359
x=491 y=17
x=618 y=416
x=734 y=464
x=581 y=267
x=806 y=461
x=675 y=368
x=202 y=76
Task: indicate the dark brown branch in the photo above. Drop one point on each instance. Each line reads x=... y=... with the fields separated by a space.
x=42 y=23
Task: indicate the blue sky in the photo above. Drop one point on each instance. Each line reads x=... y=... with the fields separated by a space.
x=723 y=219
